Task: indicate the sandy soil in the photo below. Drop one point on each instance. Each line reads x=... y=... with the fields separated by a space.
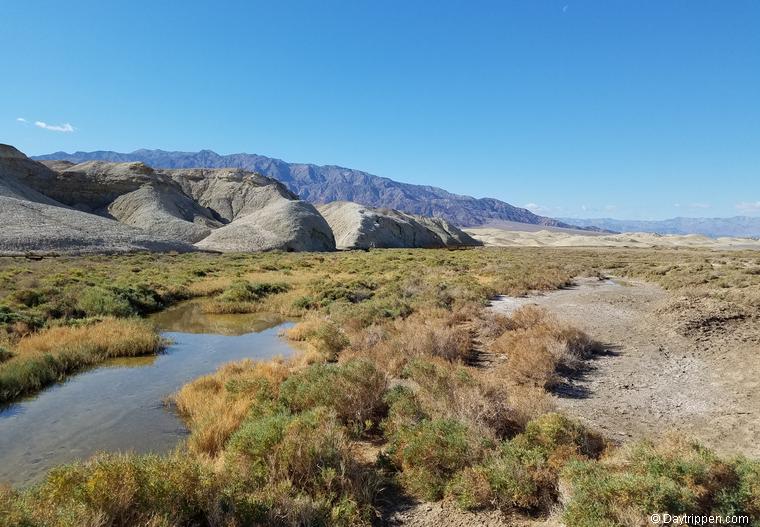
x=443 y=514
x=661 y=371
x=500 y=237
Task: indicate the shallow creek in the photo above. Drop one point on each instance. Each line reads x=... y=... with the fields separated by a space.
x=122 y=404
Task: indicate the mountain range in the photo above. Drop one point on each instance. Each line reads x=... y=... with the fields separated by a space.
x=743 y=226
x=324 y=184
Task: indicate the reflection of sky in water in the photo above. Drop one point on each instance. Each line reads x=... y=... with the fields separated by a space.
x=121 y=406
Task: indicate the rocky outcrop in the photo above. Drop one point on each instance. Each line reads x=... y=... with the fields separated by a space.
x=102 y=206
x=132 y=193
x=287 y=225
x=33 y=223
x=163 y=211
x=262 y=214
x=451 y=235
x=221 y=210
x=358 y=227
x=30 y=227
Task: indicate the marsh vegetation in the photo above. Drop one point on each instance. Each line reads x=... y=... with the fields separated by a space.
x=387 y=336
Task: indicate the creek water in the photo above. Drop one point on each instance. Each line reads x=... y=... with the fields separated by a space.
x=121 y=406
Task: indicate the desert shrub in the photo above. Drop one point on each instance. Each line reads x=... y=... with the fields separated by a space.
x=523 y=473
x=122 y=301
x=539 y=348
x=369 y=312
x=404 y=410
x=354 y=390
x=29 y=297
x=513 y=477
x=425 y=334
x=5 y=354
x=122 y=490
x=95 y=301
x=326 y=338
x=297 y=469
x=454 y=391
x=559 y=435
x=493 y=325
x=242 y=296
x=19 y=323
x=244 y=291
x=673 y=476
x=352 y=291
x=430 y=453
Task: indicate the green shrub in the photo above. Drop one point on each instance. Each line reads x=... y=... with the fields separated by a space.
x=354 y=390
x=325 y=336
x=674 y=476
x=290 y=469
x=256 y=439
x=523 y=473
x=352 y=292
x=99 y=301
x=5 y=354
x=8 y=315
x=244 y=291
x=430 y=453
x=121 y=490
x=29 y=297
x=559 y=435
x=404 y=410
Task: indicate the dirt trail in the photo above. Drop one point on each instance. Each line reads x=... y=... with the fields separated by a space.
x=652 y=378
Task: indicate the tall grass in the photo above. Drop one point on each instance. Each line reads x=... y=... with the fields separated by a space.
x=48 y=356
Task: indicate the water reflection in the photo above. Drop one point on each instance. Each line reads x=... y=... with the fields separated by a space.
x=120 y=406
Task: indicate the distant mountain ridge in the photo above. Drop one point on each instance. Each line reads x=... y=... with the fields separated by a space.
x=742 y=226
x=323 y=184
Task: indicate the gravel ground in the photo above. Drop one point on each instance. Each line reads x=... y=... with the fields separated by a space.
x=668 y=365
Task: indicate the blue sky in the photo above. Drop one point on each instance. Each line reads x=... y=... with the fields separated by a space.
x=628 y=109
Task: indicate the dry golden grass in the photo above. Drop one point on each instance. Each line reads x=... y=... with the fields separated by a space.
x=430 y=332
x=108 y=338
x=323 y=338
x=47 y=356
x=215 y=405
x=536 y=345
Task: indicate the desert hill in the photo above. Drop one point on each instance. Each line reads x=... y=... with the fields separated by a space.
x=57 y=206
x=324 y=184
x=358 y=227
x=35 y=223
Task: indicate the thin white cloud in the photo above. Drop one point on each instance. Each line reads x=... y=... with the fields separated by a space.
x=748 y=206
x=699 y=206
x=65 y=127
x=21 y=120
